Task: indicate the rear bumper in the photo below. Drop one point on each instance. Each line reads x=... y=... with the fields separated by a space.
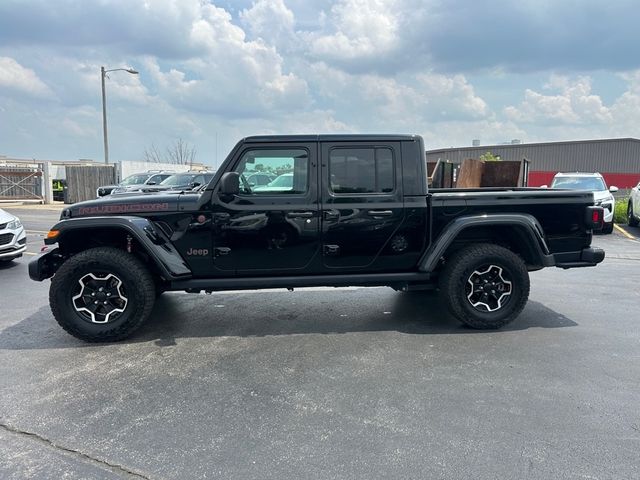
x=587 y=257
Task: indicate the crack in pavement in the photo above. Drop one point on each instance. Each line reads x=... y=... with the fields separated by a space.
x=102 y=463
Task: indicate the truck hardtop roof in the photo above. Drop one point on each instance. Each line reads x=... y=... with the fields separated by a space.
x=328 y=138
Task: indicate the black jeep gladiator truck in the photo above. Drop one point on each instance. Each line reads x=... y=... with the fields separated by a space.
x=342 y=210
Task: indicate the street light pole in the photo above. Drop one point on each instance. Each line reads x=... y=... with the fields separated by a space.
x=104 y=117
x=103 y=74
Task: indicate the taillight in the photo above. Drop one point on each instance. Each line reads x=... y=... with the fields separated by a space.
x=594 y=218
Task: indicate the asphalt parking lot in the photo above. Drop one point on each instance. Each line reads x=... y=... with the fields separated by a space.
x=329 y=383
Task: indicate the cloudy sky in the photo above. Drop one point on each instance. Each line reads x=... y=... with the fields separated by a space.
x=213 y=72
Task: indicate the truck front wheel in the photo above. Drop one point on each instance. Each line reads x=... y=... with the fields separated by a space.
x=101 y=295
x=485 y=286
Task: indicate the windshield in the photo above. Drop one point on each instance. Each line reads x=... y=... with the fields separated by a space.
x=579 y=183
x=134 y=180
x=175 y=180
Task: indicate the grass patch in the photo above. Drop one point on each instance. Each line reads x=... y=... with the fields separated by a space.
x=620 y=212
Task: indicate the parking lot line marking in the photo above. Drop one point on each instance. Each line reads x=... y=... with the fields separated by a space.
x=624 y=232
x=29 y=253
x=37 y=231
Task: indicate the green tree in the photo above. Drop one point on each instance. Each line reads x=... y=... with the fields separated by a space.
x=490 y=157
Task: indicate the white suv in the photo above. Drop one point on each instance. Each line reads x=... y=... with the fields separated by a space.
x=633 y=209
x=595 y=183
x=13 y=239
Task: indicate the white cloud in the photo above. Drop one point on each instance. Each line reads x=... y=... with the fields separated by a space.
x=271 y=21
x=626 y=109
x=211 y=75
x=573 y=104
x=452 y=95
x=14 y=76
x=363 y=29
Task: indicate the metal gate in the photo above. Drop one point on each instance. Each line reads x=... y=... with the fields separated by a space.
x=20 y=183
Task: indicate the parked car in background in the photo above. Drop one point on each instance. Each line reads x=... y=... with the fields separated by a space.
x=284 y=183
x=180 y=182
x=259 y=179
x=13 y=238
x=595 y=183
x=134 y=182
x=633 y=208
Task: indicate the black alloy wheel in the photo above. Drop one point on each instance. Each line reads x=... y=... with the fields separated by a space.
x=102 y=294
x=485 y=286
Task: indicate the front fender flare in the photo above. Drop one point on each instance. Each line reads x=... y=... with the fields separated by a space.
x=153 y=240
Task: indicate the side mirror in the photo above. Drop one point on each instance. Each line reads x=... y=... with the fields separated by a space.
x=613 y=189
x=544 y=186
x=151 y=183
x=194 y=184
x=230 y=183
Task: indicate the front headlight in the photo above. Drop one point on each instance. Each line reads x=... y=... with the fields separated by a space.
x=14 y=224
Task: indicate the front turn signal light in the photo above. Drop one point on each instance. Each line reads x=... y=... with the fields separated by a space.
x=53 y=234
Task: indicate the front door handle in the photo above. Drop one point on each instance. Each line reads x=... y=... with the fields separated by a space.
x=380 y=213
x=300 y=214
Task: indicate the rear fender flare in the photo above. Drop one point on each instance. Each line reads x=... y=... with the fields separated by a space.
x=533 y=236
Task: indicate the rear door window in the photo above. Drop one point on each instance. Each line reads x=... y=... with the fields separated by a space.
x=361 y=170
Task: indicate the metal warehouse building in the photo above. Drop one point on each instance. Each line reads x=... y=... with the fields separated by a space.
x=618 y=160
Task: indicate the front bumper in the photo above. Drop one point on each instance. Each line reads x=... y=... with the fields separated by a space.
x=45 y=265
x=13 y=243
x=587 y=257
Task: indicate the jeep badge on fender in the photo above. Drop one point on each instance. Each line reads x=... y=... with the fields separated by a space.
x=197 y=251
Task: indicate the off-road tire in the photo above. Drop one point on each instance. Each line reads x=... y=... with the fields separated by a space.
x=607 y=228
x=630 y=216
x=135 y=278
x=464 y=265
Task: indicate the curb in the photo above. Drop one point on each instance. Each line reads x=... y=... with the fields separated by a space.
x=624 y=232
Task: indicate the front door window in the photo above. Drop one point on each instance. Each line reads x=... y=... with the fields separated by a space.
x=289 y=169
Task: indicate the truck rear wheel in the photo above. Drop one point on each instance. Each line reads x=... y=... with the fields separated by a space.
x=485 y=286
x=102 y=295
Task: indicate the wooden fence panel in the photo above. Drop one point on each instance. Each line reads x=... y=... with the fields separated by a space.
x=82 y=181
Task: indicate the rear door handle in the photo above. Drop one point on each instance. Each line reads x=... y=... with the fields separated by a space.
x=380 y=213
x=300 y=214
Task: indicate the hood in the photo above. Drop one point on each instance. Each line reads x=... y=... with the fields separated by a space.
x=6 y=217
x=602 y=195
x=130 y=204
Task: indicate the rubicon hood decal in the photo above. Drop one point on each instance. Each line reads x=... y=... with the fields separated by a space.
x=126 y=205
x=124 y=208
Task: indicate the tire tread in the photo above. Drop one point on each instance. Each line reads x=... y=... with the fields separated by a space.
x=450 y=285
x=142 y=279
